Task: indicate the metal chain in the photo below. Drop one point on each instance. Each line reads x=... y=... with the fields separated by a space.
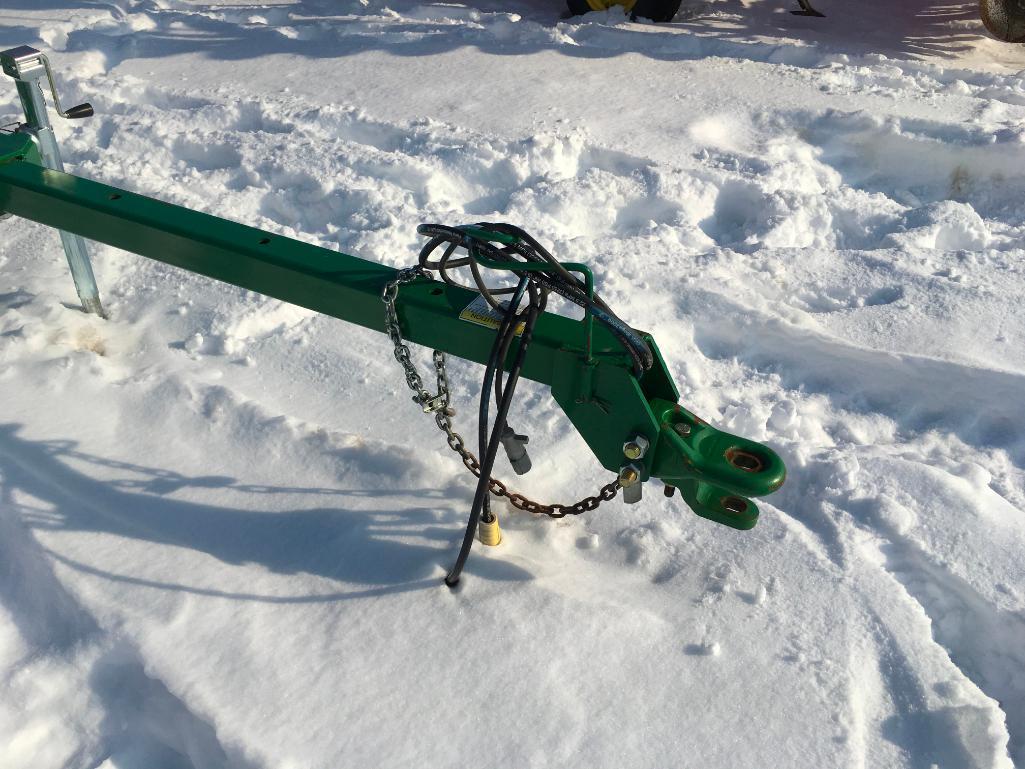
x=429 y=403
x=439 y=406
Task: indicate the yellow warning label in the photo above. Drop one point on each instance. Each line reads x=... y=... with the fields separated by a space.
x=483 y=314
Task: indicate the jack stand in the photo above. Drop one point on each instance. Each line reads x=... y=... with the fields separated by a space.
x=28 y=67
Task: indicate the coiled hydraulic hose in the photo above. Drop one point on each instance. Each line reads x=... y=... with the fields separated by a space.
x=519 y=247
x=539 y=274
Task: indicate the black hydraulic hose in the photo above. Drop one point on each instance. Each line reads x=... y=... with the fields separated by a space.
x=560 y=281
x=488 y=460
x=506 y=330
x=542 y=299
x=517 y=250
x=506 y=344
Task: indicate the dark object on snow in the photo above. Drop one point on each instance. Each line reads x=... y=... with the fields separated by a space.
x=1005 y=19
x=655 y=10
x=807 y=10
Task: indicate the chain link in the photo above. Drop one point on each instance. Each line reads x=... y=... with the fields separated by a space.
x=429 y=403
x=443 y=413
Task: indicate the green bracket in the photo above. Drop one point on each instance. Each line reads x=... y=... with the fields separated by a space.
x=590 y=375
x=583 y=269
x=16 y=146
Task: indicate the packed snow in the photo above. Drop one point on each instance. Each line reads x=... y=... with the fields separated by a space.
x=223 y=524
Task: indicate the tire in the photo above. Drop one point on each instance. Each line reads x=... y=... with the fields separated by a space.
x=578 y=7
x=655 y=10
x=1005 y=19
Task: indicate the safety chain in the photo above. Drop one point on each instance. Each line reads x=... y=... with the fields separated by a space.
x=439 y=406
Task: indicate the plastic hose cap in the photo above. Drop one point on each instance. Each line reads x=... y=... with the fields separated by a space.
x=488 y=532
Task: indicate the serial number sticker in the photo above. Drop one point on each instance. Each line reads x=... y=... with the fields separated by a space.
x=483 y=314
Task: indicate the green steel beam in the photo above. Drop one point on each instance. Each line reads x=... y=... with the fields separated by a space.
x=607 y=404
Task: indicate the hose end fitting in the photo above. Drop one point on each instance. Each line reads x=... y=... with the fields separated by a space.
x=488 y=532
x=515 y=450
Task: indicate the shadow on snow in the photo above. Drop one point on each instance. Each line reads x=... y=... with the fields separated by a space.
x=377 y=552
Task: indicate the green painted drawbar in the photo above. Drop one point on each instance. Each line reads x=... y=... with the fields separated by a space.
x=715 y=472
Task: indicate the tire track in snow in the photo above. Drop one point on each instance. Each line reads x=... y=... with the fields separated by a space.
x=918 y=162
x=897 y=683
x=947 y=736
x=984 y=634
x=985 y=642
x=982 y=639
x=979 y=405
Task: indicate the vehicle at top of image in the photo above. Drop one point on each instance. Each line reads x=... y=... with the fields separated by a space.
x=1005 y=19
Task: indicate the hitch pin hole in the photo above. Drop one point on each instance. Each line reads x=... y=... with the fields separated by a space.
x=734 y=505
x=744 y=460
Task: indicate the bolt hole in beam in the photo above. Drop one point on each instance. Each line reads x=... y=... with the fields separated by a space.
x=744 y=460
x=264 y=241
x=113 y=196
x=437 y=291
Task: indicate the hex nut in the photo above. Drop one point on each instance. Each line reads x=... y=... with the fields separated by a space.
x=629 y=475
x=636 y=447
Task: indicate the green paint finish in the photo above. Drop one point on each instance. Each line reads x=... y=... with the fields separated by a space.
x=18 y=146
x=715 y=471
x=483 y=234
x=606 y=403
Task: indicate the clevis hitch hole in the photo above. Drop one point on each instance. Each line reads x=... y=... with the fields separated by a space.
x=745 y=460
x=734 y=505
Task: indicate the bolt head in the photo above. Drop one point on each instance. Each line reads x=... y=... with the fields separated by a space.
x=628 y=476
x=636 y=447
x=682 y=428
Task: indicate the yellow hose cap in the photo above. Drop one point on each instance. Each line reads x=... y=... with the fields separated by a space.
x=488 y=532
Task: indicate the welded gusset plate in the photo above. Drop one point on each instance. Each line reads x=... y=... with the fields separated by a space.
x=715 y=472
x=17 y=146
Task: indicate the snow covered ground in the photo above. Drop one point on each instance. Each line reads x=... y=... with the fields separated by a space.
x=223 y=525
